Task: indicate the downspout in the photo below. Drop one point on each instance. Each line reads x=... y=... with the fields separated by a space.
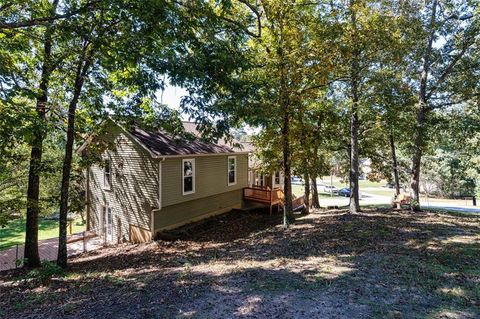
x=152 y=219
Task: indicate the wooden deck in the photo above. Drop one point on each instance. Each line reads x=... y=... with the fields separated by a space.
x=270 y=197
x=264 y=195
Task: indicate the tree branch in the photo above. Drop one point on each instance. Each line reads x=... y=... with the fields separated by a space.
x=45 y=20
x=448 y=70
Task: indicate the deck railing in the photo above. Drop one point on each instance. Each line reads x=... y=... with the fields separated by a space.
x=257 y=194
x=263 y=194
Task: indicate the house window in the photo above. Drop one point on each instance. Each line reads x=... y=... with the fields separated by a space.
x=188 y=175
x=259 y=179
x=276 y=178
x=232 y=170
x=107 y=174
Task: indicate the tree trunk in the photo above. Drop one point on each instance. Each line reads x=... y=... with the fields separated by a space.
x=31 y=256
x=288 y=211
x=394 y=165
x=284 y=103
x=354 y=124
x=315 y=201
x=417 y=158
x=306 y=178
x=354 y=168
x=81 y=72
x=422 y=110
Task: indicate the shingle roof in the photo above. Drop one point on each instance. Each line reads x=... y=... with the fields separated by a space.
x=162 y=144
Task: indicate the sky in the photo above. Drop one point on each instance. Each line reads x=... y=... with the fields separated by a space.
x=171 y=96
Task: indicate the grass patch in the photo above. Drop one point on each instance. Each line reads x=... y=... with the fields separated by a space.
x=14 y=232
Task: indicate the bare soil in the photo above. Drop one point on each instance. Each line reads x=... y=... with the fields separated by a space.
x=376 y=264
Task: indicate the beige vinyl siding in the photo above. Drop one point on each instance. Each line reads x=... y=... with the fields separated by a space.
x=190 y=211
x=134 y=188
x=212 y=194
x=211 y=177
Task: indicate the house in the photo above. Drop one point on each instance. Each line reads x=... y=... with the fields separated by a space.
x=150 y=181
x=257 y=176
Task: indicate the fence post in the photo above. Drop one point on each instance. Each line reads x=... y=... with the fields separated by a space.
x=16 y=257
x=474 y=201
x=84 y=242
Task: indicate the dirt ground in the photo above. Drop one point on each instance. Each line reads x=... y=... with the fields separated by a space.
x=377 y=264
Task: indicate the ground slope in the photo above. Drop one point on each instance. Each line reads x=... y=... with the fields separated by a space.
x=379 y=263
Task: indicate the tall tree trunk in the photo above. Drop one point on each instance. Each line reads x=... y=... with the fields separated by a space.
x=354 y=165
x=354 y=123
x=284 y=104
x=31 y=256
x=82 y=69
x=417 y=157
x=315 y=201
x=288 y=210
x=394 y=164
x=422 y=109
x=306 y=178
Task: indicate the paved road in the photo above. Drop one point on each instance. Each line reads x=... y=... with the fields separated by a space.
x=373 y=199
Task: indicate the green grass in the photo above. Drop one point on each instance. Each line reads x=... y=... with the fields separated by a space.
x=381 y=192
x=363 y=183
x=14 y=232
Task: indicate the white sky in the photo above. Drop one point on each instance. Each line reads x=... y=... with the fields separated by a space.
x=171 y=96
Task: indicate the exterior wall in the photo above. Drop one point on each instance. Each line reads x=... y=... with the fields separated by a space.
x=183 y=213
x=212 y=193
x=210 y=178
x=134 y=190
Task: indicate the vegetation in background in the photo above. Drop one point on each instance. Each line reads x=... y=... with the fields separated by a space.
x=327 y=84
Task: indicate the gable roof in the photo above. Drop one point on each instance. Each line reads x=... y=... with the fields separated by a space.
x=160 y=143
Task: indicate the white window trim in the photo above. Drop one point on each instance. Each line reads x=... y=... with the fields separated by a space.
x=235 y=170
x=106 y=209
x=105 y=186
x=193 y=176
x=274 y=183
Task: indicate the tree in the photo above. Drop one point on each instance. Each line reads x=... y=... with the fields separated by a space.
x=31 y=255
x=364 y=35
x=451 y=35
x=262 y=79
x=388 y=126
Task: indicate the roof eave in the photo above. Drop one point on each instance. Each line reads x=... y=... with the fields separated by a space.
x=199 y=155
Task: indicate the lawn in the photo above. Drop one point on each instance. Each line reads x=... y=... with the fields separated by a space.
x=299 y=190
x=377 y=264
x=14 y=232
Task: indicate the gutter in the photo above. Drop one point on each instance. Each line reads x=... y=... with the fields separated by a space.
x=198 y=155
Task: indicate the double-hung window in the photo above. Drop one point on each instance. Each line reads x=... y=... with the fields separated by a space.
x=107 y=174
x=232 y=170
x=188 y=176
x=276 y=178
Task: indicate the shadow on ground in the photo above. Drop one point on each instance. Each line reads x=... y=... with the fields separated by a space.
x=380 y=263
